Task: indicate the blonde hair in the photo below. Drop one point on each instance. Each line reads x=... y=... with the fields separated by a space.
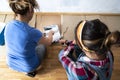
x=23 y=6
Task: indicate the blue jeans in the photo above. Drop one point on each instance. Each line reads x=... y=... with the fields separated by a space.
x=40 y=50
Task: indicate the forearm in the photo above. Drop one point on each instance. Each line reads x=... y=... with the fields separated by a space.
x=70 y=66
x=47 y=38
x=50 y=38
x=67 y=50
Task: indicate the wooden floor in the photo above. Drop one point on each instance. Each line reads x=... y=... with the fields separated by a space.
x=52 y=69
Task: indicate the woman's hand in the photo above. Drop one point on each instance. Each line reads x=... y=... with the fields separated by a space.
x=74 y=42
x=62 y=41
x=51 y=33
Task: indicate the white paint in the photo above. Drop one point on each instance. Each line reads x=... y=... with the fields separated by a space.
x=91 y=6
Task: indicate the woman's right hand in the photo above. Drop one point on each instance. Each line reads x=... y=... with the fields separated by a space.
x=51 y=33
x=62 y=41
x=47 y=40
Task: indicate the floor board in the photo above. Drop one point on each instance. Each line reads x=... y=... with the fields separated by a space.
x=52 y=69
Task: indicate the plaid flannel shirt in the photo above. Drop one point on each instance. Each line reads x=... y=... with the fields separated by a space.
x=75 y=69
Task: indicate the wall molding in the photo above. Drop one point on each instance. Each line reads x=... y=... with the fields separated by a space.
x=69 y=13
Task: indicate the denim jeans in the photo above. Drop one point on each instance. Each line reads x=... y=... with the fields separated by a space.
x=40 y=50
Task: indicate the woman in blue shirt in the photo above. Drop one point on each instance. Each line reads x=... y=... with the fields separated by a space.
x=22 y=40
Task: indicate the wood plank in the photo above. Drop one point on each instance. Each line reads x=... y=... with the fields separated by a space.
x=70 y=22
x=9 y=17
x=51 y=67
x=32 y=23
x=113 y=22
x=91 y=17
x=45 y=20
x=39 y=22
x=116 y=68
x=69 y=13
x=2 y=17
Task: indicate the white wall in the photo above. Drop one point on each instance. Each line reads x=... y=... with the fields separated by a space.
x=91 y=6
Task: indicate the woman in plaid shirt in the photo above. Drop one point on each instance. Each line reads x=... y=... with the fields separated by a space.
x=92 y=43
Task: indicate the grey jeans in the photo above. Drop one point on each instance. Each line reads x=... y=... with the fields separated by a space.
x=40 y=50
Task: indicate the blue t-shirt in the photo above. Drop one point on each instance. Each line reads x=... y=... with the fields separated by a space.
x=21 y=40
